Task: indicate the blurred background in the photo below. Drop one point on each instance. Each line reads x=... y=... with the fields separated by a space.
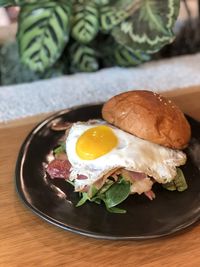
x=187 y=30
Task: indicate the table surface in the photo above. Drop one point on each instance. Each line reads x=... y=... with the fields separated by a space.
x=27 y=240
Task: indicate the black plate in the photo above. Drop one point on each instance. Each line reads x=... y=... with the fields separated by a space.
x=54 y=200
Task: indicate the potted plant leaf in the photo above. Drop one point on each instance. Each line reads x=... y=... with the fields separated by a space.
x=85 y=35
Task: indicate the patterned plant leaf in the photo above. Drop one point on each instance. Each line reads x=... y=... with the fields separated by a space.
x=10 y=63
x=110 y=16
x=149 y=26
x=83 y=58
x=125 y=57
x=18 y=72
x=102 y=2
x=43 y=33
x=85 y=21
x=7 y=3
x=19 y=2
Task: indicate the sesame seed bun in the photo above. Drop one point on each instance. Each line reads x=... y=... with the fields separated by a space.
x=149 y=116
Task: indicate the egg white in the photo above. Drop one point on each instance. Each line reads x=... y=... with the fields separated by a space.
x=131 y=153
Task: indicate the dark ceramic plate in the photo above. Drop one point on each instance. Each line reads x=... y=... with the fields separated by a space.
x=54 y=200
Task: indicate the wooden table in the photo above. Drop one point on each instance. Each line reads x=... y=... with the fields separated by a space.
x=27 y=240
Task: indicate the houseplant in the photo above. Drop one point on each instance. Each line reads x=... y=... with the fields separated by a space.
x=85 y=35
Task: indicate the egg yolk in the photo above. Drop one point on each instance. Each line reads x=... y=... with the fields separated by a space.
x=96 y=142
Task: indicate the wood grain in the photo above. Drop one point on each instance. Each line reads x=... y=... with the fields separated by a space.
x=27 y=240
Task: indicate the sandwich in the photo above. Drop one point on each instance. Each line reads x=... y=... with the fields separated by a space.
x=137 y=143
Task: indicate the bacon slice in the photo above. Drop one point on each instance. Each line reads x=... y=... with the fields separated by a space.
x=59 y=169
x=137 y=175
x=140 y=183
x=133 y=176
x=150 y=194
x=81 y=177
x=99 y=183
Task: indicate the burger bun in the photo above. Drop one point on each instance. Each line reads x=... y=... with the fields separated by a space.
x=149 y=116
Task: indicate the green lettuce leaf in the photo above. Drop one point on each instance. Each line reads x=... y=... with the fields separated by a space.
x=60 y=149
x=179 y=183
x=117 y=193
x=112 y=194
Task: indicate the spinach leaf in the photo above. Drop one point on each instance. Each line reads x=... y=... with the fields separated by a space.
x=179 y=183
x=106 y=186
x=117 y=193
x=116 y=210
x=92 y=191
x=82 y=200
x=70 y=182
x=169 y=186
x=60 y=149
x=112 y=193
x=96 y=200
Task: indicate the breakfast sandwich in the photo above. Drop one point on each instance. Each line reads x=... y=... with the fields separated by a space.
x=138 y=143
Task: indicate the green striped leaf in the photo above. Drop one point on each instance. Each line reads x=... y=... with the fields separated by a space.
x=83 y=58
x=43 y=33
x=110 y=16
x=85 y=22
x=19 y=2
x=7 y=3
x=126 y=57
x=149 y=26
x=102 y=2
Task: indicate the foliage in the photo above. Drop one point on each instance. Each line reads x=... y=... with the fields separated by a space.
x=187 y=40
x=92 y=34
x=82 y=58
x=85 y=23
x=10 y=63
x=18 y=72
x=42 y=34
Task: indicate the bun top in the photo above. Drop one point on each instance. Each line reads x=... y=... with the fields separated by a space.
x=149 y=116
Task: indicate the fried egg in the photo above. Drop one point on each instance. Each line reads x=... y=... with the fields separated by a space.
x=95 y=148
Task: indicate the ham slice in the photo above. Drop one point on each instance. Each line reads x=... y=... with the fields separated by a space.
x=150 y=194
x=59 y=169
x=81 y=177
x=137 y=175
x=133 y=176
x=140 y=183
